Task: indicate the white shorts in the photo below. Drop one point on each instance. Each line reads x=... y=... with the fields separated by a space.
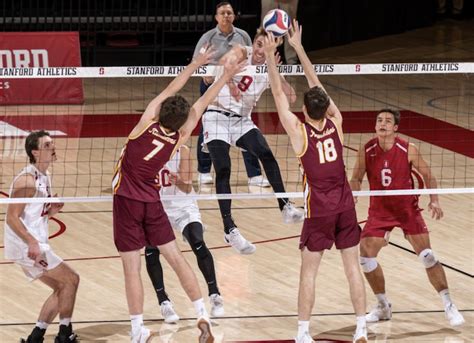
x=183 y=214
x=218 y=126
x=35 y=269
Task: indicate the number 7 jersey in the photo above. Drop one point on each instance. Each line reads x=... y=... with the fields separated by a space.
x=142 y=158
x=326 y=189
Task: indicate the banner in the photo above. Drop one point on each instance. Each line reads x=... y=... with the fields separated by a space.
x=40 y=50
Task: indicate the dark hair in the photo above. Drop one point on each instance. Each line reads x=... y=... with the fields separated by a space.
x=174 y=112
x=317 y=102
x=395 y=113
x=223 y=3
x=32 y=141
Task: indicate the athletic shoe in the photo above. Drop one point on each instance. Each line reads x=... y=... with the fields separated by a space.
x=141 y=336
x=259 y=181
x=36 y=336
x=306 y=338
x=217 y=305
x=205 y=178
x=453 y=315
x=168 y=313
x=379 y=312
x=239 y=243
x=204 y=325
x=360 y=336
x=291 y=214
x=66 y=335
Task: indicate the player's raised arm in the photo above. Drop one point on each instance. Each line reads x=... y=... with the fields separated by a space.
x=294 y=39
x=358 y=172
x=230 y=69
x=202 y=58
x=416 y=159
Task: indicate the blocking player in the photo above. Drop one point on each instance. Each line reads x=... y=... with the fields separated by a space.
x=138 y=216
x=388 y=161
x=330 y=216
x=26 y=240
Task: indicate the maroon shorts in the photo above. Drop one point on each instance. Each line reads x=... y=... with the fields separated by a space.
x=322 y=232
x=412 y=224
x=138 y=224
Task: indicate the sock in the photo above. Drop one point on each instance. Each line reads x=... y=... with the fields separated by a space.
x=282 y=202
x=42 y=325
x=65 y=321
x=361 y=323
x=303 y=327
x=445 y=297
x=137 y=322
x=200 y=308
x=382 y=298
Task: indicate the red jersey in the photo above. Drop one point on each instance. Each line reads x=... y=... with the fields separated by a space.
x=326 y=189
x=388 y=170
x=141 y=159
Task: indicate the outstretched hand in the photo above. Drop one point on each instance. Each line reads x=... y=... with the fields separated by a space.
x=294 y=36
x=205 y=55
x=231 y=67
x=270 y=44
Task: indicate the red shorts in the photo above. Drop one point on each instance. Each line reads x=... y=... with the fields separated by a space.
x=412 y=224
x=138 y=224
x=322 y=232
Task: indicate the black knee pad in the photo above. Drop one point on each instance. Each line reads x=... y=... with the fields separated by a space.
x=152 y=256
x=200 y=250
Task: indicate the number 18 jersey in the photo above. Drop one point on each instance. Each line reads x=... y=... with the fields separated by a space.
x=326 y=189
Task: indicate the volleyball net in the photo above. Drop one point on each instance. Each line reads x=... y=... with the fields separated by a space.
x=436 y=101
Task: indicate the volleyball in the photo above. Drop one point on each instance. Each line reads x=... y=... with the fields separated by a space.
x=277 y=22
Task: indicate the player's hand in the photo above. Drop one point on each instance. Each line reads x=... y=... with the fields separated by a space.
x=234 y=91
x=231 y=67
x=34 y=250
x=54 y=208
x=205 y=55
x=270 y=44
x=294 y=34
x=278 y=58
x=435 y=209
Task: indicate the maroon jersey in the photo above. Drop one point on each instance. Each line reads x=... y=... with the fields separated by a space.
x=141 y=159
x=326 y=189
x=388 y=170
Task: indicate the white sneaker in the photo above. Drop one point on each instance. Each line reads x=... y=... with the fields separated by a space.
x=306 y=338
x=140 y=336
x=217 y=305
x=168 y=313
x=291 y=214
x=204 y=325
x=453 y=315
x=379 y=312
x=239 y=243
x=360 y=336
x=259 y=181
x=205 y=178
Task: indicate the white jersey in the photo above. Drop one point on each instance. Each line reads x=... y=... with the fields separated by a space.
x=34 y=216
x=251 y=88
x=180 y=212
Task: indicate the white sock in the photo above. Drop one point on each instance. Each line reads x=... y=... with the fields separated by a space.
x=65 y=321
x=303 y=327
x=200 y=308
x=382 y=298
x=137 y=322
x=445 y=297
x=361 y=323
x=42 y=325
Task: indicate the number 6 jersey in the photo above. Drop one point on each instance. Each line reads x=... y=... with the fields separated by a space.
x=388 y=170
x=142 y=158
x=326 y=189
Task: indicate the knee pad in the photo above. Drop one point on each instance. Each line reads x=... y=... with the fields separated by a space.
x=428 y=258
x=201 y=250
x=152 y=256
x=368 y=264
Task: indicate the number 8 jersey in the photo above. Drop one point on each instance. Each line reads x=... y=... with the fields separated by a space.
x=326 y=189
x=388 y=170
x=142 y=158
